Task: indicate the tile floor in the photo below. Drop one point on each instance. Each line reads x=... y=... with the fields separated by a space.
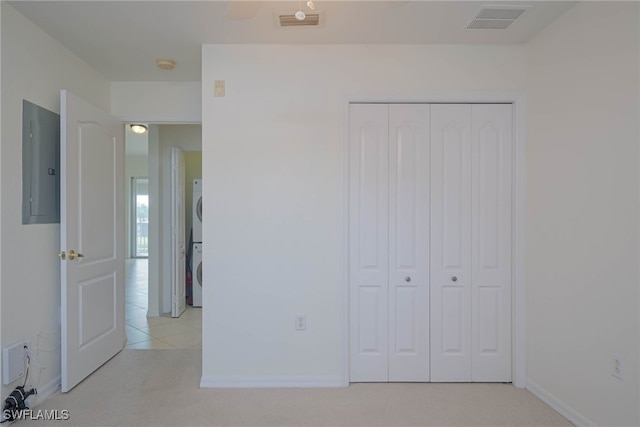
x=161 y=332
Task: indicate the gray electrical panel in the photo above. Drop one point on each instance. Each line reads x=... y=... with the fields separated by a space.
x=40 y=165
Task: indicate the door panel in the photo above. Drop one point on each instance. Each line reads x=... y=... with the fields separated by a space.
x=178 y=244
x=368 y=237
x=369 y=341
x=97 y=158
x=491 y=236
x=452 y=333
x=408 y=242
x=92 y=223
x=450 y=242
x=96 y=319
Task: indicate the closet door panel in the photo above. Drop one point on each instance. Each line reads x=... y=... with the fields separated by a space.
x=409 y=242
x=491 y=241
x=368 y=242
x=450 y=242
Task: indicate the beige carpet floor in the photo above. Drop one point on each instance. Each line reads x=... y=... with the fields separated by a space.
x=161 y=388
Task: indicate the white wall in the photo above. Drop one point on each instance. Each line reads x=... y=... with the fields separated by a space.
x=157 y=102
x=36 y=68
x=1 y=181
x=583 y=209
x=273 y=185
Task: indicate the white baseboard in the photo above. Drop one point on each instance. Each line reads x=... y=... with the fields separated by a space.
x=299 y=381
x=565 y=410
x=45 y=392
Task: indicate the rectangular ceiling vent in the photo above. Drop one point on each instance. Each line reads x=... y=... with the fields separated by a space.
x=496 y=17
x=292 y=21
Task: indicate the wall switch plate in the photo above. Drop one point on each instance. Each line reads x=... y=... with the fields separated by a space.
x=617 y=365
x=301 y=321
x=219 y=88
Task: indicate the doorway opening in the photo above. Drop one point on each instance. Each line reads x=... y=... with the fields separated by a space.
x=148 y=321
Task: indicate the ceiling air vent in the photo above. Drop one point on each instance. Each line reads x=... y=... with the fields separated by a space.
x=291 y=21
x=496 y=17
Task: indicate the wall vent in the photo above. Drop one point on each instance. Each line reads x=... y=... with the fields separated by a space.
x=496 y=17
x=291 y=21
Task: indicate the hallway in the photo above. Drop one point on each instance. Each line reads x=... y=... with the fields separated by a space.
x=163 y=332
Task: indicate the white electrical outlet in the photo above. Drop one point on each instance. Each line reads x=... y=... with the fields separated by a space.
x=617 y=365
x=13 y=361
x=301 y=321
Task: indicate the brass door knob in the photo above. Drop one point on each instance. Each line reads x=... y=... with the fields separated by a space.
x=73 y=255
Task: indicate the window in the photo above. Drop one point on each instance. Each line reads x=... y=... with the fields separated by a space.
x=140 y=217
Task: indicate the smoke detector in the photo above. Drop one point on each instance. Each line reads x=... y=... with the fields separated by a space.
x=496 y=17
x=165 y=63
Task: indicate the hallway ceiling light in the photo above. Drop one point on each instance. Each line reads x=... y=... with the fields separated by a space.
x=138 y=128
x=165 y=63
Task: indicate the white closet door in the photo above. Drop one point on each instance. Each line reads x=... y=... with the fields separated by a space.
x=409 y=242
x=491 y=242
x=368 y=242
x=471 y=242
x=430 y=242
x=450 y=242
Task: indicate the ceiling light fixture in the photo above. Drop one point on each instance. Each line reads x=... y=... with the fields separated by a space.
x=138 y=128
x=165 y=63
x=300 y=15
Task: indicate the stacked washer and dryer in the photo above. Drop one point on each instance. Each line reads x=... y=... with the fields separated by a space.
x=196 y=267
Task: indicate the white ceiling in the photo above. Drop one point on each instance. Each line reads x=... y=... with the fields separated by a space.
x=122 y=39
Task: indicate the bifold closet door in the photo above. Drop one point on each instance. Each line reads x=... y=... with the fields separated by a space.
x=471 y=242
x=450 y=242
x=491 y=207
x=409 y=242
x=388 y=241
x=369 y=242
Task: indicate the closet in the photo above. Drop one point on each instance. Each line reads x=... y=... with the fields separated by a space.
x=430 y=209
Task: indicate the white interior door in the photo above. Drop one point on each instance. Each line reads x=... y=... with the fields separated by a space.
x=92 y=238
x=178 y=245
x=369 y=242
x=408 y=242
x=450 y=242
x=491 y=159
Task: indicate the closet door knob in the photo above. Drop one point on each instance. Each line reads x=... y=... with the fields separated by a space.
x=454 y=279
x=407 y=279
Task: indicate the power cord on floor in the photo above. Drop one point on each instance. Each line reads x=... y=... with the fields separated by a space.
x=16 y=402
